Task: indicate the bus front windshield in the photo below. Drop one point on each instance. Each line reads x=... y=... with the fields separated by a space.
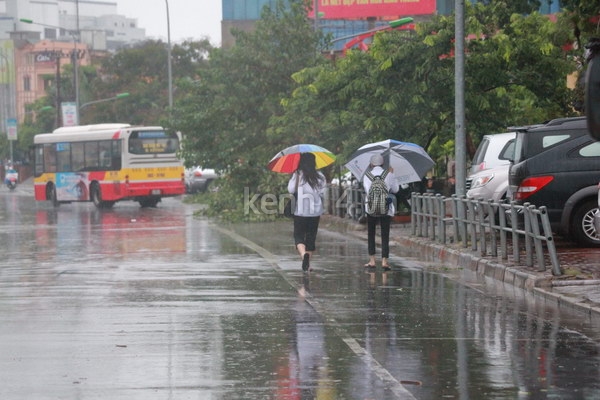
x=153 y=142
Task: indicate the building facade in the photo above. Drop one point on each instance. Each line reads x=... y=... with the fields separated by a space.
x=39 y=65
x=342 y=18
x=32 y=54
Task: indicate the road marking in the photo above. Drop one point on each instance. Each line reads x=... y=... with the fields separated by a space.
x=379 y=370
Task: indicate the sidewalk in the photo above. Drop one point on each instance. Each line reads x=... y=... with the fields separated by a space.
x=578 y=288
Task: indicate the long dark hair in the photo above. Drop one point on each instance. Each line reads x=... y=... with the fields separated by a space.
x=308 y=166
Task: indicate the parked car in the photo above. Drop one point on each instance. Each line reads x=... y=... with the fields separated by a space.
x=492 y=160
x=493 y=150
x=597 y=215
x=198 y=179
x=490 y=184
x=557 y=165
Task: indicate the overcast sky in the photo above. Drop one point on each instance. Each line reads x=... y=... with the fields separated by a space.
x=189 y=18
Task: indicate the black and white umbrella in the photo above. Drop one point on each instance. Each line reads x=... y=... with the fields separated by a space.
x=409 y=160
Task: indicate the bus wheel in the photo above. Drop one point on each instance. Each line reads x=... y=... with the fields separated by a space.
x=51 y=195
x=149 y=202
x=96 y=196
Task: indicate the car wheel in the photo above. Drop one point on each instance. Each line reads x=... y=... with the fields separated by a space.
x=206 y=186
x=582 y=225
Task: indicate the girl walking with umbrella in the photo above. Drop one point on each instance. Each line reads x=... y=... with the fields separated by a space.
x=384 y=220
x=309 y=185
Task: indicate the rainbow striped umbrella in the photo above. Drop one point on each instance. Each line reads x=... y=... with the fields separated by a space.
x=286 y=161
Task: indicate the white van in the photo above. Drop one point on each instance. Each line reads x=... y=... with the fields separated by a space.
x=492 y=151
x=488 y=179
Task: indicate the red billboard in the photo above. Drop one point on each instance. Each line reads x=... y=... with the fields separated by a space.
x=358 y=9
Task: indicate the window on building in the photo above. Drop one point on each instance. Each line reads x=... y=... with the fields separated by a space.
x=27 y=83
x=47 y=84
x=49 y=33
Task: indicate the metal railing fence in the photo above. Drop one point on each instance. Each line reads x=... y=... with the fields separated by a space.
x=489 y=228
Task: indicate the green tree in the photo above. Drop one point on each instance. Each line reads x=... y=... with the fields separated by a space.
x=403 y=87
x=225 y=114
x=142 y=71
x=137 y=70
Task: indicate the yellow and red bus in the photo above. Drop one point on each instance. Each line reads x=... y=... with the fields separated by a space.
x=106 y=163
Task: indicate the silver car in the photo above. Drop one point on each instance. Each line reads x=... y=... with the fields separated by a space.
x=489 y=173
x=489 y=184
x=198 y=179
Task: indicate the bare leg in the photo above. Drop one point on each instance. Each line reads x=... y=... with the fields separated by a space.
x=371 y=262
x=301 y=249
x=384 y=262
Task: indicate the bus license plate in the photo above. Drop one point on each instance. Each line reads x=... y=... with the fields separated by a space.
x=155 y=192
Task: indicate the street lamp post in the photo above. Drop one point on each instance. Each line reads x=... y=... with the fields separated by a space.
x=75 y=58
x=7 y=102
x=84 y=105
x=115 y=97
x=169 y=72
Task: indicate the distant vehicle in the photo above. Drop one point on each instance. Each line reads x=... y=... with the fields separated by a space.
x=11 y=178
x=198 y=179
x=557 y=165
x=492 y=151
x=106 y=163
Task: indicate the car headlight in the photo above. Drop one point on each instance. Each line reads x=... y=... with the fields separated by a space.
x=482 y=181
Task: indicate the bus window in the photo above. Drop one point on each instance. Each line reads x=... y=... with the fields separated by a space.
x=153 y=142
x=91 y=156
x=116 y=154
x=49 y=158
x=77 y=157
x=39 y=160
x=105 y=154
x=170 y=147
x=63 y=157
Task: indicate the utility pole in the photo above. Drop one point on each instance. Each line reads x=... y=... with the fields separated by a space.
x=316 y=11
x=459 y=98
x=169 y=71
x=57 y=60
x=76 y=61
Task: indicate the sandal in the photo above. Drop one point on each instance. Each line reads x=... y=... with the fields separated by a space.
x=305 y=262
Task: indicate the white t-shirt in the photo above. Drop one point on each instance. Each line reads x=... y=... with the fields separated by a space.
x=310 y=203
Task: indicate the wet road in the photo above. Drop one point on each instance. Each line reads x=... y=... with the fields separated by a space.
x=134 y=303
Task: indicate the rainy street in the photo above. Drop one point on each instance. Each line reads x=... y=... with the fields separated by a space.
x=154 y=303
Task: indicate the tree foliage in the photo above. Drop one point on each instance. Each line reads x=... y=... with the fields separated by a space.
x=238 y=106
x=403 y=87
x=140 y=71
x=226 y=112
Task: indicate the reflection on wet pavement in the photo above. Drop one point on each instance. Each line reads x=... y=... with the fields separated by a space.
x=134 y=303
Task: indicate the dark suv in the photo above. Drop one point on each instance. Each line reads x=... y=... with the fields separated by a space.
x=557 y=165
